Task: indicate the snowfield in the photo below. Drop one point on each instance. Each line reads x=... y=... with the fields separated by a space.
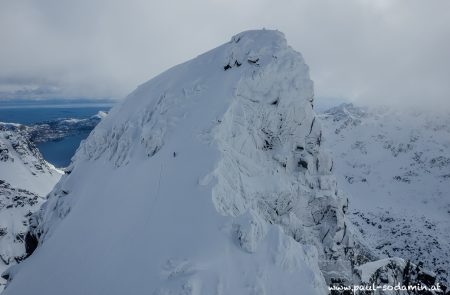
x=209 y=179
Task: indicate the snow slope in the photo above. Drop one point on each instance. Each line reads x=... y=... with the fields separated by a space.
x=395 y=165
x=25 y=179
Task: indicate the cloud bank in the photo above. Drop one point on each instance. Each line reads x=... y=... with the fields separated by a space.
x=384 y=51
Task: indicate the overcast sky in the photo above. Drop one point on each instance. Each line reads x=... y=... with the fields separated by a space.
x=369 y=51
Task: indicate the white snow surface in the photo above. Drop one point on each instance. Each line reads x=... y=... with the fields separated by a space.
x=192 y=185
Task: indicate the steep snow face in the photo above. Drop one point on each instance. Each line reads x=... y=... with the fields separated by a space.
x=203 y=181
x=395 y=165
x=25 y=179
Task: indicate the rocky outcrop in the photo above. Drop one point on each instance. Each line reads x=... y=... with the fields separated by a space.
x=16 y=208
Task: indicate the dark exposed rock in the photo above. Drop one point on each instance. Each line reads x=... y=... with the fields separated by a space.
x=31 y=243
x=253 y=61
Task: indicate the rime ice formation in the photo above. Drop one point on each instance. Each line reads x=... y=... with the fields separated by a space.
x=208 y=179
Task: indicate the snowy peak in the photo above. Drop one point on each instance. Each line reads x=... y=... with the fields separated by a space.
x=157 y=105
x=210 y=178
x=184 y=164
x=346 y=111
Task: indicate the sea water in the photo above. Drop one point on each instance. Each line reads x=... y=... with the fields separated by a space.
x=61 y=151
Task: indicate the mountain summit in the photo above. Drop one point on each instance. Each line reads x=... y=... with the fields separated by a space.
x=208 y=179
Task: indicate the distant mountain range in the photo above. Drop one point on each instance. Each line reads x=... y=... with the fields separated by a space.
x=395 y=166
x=60 y=128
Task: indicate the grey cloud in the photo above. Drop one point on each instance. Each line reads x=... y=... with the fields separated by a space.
x=367 y=51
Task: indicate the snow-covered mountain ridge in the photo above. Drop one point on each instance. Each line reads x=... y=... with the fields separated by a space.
x=209 y=179
x=395 y=165
x=25 y=179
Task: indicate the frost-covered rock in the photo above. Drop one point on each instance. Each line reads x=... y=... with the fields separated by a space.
x=25 y=179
